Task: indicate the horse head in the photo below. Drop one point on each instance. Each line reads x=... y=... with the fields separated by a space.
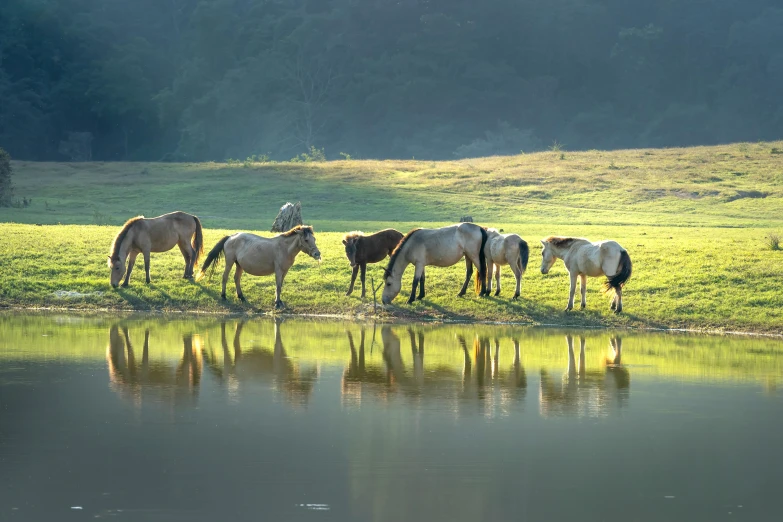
x=307 y=242
x=548 y=257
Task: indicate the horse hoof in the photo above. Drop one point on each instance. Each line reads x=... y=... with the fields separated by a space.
x=568 y=309
x=241 y=297
x=515 y=297
x=124 y=285
x=497 y=293
x=349 y=292
x=223 y=297
x=618 y=311
x=583 y=307
x=461 y=294
x=279 y=305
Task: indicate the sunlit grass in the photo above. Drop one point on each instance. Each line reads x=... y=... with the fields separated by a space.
x=694 y=221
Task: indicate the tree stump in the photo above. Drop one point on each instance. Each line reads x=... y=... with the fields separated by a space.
x=290 y=215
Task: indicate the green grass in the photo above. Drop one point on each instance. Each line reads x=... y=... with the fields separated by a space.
x=694 y=221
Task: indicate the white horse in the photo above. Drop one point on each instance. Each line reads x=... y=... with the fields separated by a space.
x=505 y=249
x=583 y=258
x=260 y=256
x=436 y=247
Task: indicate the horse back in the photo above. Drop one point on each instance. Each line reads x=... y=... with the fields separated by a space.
x=375 y=247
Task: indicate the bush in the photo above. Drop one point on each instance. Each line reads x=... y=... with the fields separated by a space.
x=6 y=187
x=773 y=241
x=506 y=140
x=309 y=157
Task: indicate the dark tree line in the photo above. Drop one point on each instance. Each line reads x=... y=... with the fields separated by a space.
x=213 y=79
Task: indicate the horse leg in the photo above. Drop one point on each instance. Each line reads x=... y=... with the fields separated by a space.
x=583 y=288
x=279 y=276
x=237 y=282
x=496 y=270
x=518 y=276
x=421 y=285
x=185 y=249
x=468 y=275
x=416 y=278
x=363 y=274
x=147 y=265
x=131 y=262
x=619 y=297
x=353 y=279
x=571 y=292
x=613 y=305
x=226 y=271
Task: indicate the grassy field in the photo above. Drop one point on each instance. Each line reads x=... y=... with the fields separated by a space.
x=693 y=220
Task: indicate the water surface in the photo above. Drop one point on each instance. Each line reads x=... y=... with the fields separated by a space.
x=143 y=419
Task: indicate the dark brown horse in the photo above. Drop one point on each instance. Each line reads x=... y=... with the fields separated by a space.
x=361 y=249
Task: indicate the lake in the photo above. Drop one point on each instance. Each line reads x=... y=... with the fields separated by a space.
x=144 y=418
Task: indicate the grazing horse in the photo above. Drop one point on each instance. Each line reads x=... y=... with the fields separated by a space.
x=583 y=258
x=505 y=249
x=142 y=235
x=437 y=247
x=260 y=256
x=361 y=249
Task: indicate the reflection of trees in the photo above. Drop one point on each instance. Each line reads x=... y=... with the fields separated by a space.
x=261 y=363
x=481 y=380
x=584 y=392
x=131 y=378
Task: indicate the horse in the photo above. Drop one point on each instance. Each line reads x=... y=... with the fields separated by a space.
x=583 y=258
x=140 y=235
x=361 y=249
x=437 y=247
x=505 y=249
x=260 y=256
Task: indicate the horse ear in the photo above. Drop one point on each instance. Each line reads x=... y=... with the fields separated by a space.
x=543 y=243
x=345 y=242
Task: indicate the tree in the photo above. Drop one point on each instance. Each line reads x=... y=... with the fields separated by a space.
x=6 y=187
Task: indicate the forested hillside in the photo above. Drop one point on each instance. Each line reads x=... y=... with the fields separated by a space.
x=432 y=79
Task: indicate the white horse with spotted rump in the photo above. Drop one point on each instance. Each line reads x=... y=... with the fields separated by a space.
x=583 y=258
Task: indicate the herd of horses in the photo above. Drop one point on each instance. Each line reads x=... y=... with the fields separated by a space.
x=485 y=248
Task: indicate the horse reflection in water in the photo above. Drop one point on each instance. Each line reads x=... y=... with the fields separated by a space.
x=134 y=380
x=488 y=385
x=259 y=364
x=586 y=393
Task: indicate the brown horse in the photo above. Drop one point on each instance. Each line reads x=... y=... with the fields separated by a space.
x=142 y=235
x=260 y=256
x=361 y=249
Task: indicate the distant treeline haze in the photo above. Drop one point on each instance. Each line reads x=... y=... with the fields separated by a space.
x=214 y=79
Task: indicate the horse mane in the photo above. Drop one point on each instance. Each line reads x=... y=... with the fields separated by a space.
x=356 y=234
x=298 y=228
x=397 y=251
x=561 y=242
x=115 y=247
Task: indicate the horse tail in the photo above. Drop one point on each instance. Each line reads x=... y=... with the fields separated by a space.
x=482 y=263
x=198 y=242
x=524 y=254
x=213 y=259
x=623 y=273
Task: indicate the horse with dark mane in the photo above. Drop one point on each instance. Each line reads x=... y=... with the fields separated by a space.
x=583 y=258
x=437 y=247
x=261 y=256
x=361 y=249
x=142 y=235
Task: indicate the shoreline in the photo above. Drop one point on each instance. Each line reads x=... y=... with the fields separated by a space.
x=387 y=319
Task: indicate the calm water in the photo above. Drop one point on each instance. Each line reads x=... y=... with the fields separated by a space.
x=141 y=419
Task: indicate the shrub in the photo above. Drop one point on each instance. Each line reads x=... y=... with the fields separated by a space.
x=773 y=241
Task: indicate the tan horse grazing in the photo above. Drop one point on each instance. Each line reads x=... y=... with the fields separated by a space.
x=361 y=249
x=583 y=258
x=142 y=235
x=436 y=247
x=260 y=256
x=505 y=249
